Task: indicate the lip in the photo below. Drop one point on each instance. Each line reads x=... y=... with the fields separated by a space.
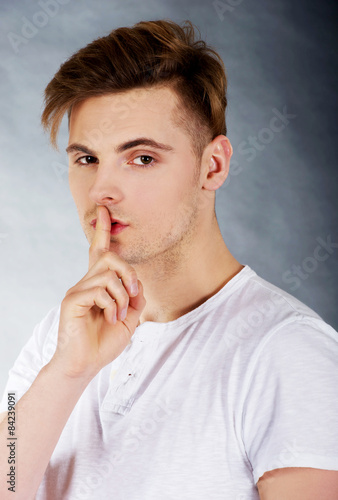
x=93 y=222
x=115 y=229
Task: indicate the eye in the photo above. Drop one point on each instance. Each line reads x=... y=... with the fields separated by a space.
x=86 y=160
x=145 y=161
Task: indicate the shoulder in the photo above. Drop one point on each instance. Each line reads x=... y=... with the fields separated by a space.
x=277 y=326
x=263 y=311
x=271 y=301
x=270 y=341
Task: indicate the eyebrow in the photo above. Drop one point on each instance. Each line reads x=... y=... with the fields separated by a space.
x=141 y=141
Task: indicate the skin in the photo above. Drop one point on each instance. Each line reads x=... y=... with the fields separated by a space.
x=173 y=240
x=298 y=483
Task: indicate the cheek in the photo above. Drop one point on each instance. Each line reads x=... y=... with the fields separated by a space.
x=177 y=191
x=155 y=200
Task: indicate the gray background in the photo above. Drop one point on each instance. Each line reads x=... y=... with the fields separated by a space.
x=272 y=209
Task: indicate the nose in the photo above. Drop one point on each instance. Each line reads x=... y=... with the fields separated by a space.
x=106 y=185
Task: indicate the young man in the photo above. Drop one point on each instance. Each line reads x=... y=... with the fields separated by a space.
x=170 y=370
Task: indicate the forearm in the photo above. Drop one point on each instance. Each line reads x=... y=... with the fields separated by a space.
x=40 y=416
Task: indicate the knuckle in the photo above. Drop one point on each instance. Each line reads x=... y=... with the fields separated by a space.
x=111 y=275
x=100 y=292
x=107 y=256
x=112 y=283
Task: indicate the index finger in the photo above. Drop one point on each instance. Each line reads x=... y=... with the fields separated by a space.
x=101 y=240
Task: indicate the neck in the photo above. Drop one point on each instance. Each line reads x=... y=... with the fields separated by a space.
x=173 y=287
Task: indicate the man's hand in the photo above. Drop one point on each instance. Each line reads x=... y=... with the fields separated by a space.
x=100 y=313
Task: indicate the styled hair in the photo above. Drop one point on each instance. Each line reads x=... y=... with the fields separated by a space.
x=147 y=54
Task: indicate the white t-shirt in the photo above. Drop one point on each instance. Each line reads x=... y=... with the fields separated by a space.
x=200 y=407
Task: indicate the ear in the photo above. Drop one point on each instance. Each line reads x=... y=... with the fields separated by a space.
x=216 y=162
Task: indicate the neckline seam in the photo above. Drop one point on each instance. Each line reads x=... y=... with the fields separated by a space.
x=209 y=304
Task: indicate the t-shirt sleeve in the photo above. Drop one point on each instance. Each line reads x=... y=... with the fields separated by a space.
x=290 y=410
x=36 y=353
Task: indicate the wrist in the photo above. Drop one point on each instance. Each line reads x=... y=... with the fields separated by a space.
x=70 y=378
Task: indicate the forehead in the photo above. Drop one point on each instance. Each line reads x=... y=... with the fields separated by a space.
x=133 y=111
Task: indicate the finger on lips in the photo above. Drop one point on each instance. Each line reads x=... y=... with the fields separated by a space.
x=101 y=258
x=101 y=240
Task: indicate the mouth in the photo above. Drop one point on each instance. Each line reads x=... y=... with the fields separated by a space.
x=113 y=221
x=116 y=226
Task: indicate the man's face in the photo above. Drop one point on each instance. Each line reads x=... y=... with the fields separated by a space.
x=154 y=190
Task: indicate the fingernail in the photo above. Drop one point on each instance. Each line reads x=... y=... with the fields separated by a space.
x=124 y=314
x=134 y=288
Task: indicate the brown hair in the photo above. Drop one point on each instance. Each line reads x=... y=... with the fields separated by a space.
x=147 y=54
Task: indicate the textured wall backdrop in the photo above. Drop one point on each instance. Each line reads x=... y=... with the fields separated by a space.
x=279 y=202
